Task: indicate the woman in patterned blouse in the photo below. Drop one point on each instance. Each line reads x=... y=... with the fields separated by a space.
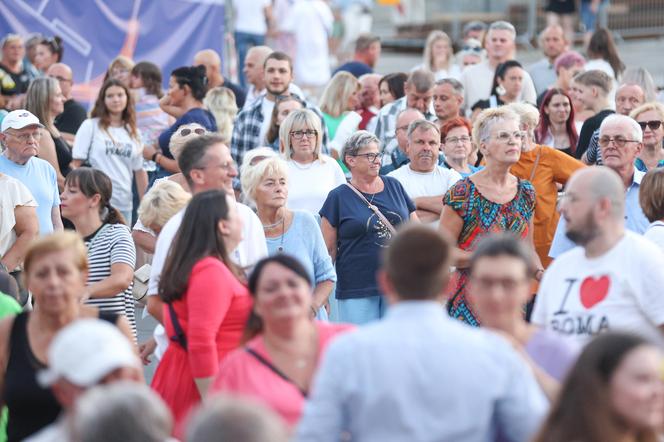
x=491 y=200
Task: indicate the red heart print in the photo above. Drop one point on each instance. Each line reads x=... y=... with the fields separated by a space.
x=593 y=291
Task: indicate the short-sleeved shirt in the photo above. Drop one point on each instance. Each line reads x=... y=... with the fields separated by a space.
x=111 y=244
x=197 y=115
x=589 y=127
x=40 y=179
x=355 y=68
x=361 y=235
x=13 y=194
x=113 y=151
x=15 y=83
x=71 y=118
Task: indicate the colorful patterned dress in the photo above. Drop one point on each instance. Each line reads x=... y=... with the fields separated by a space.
x=482 y=217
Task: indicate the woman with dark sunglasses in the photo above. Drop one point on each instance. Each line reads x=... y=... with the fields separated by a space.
x=650 y=117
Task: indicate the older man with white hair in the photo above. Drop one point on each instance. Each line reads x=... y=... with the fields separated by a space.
x=19 y=135
x=620 y=141
x=500 y=46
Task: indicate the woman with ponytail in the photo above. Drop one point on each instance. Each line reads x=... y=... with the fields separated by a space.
x=111 y=252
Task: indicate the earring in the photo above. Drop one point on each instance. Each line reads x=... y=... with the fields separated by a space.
x=500 y=90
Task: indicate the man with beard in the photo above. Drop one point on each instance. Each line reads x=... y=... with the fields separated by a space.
x=612 y=280
x=620 y=141
x=252 y=123
x=423 y=179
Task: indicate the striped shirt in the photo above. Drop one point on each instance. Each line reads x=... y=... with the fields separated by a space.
x=111 y=244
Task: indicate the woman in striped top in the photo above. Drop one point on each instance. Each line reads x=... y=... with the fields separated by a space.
x=111 y=252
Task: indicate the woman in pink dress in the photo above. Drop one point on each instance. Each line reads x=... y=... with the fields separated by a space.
x=205 y=303
x=278 y=363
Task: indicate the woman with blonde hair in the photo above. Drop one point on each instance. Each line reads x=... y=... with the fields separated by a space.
x=650 y=117
x=164 y=200
x=439 y=57
x=312 y=174
x=338 y=103
x=120 y=69
x=45 y=100
x=221 y=102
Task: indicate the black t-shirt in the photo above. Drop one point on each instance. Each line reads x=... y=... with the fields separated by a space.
x=240 y=94
x=589 y=126
x=486 y=104
x=11 y=83
x=71 y=118
x=357 y=68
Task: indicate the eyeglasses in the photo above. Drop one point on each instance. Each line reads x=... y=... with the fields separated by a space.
x=487 y=283
x=298 y=134
x=505 y=137
x=619 y=141
x=372 y=157
x=455 y=140
x=197 y=131
x=653 y=125
x=24 y=138
x=61 y=79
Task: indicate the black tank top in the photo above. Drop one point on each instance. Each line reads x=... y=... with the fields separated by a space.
x=63 y=152
x=31 y=407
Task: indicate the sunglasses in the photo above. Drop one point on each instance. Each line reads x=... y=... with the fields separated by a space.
x=199 y=131
x=653 y=125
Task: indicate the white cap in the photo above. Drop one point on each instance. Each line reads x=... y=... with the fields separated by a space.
x=85 y=352
x=19 y=119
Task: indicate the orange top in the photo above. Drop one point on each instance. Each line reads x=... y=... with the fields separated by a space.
x=554 y=167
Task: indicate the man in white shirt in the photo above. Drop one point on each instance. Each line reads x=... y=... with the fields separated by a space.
x=552 y=41
x=206 y=163
x=478 y=79
x=419 y=375
x=423 y=179
x=613 y=279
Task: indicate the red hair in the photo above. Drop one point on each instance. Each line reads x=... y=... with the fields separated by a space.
x=542 y=128
x=454 y=122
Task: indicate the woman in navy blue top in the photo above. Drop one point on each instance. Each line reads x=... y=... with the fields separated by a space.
x=184 y=100
x=355 y=235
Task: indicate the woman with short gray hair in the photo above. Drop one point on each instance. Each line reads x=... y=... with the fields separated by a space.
x=358 y=220
x=491 y=200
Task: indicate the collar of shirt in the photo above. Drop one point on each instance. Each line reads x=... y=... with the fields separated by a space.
x=417 y=309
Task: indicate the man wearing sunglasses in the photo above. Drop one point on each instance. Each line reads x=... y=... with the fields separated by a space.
x=620 y=142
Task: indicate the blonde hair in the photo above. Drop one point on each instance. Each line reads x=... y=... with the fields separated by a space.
x=178 y=141
x=529 y=116
x=300 y=119
x=433 y=37
x=652 y=106
x=334 y=100
x=38 y=100
x=221 y=102
x=121 y=61
x=164 y=200
x=57 y=242
x=253 y=175
x=488 y=118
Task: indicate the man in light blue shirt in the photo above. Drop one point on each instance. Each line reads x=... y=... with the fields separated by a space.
x=20 y=134
x=419 y=375
x=615 y=129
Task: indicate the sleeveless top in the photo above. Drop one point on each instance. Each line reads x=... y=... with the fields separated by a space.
x=31 y=407
x=63 y=152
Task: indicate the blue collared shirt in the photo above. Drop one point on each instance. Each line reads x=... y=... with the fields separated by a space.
x=418 y=375
x=635 y=220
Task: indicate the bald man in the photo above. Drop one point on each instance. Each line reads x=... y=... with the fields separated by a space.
x=212 y=62
x=552 y=42
x=74 y=113
x=613 y=280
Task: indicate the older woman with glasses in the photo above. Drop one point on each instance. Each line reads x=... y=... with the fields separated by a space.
x=312 y=175
x=650 y=117
x=358 y=220
x=491 y=200
x=457 y=146
x=294 y=232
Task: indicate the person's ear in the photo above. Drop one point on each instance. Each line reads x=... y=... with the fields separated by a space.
x=223 y=227
x=639 y=146
x=386 y=287
x=197 y=176
x=94 y=200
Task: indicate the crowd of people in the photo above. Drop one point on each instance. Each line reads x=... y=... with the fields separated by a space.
x=469 y=250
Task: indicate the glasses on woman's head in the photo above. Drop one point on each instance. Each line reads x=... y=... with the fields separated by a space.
x=299 y=134
x=454 y=140
x=187 y=131
x=372 y=157
x=653 y=124
x=619 y=141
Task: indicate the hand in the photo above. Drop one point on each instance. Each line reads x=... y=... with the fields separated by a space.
x=146 y=349
x=148 y=151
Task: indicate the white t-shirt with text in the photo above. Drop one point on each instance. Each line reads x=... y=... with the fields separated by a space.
x=621 y=290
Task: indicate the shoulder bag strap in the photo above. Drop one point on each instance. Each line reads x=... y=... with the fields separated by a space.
x=374 y=209
x=274 y=369
x=537 y=160
x=179 y=337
